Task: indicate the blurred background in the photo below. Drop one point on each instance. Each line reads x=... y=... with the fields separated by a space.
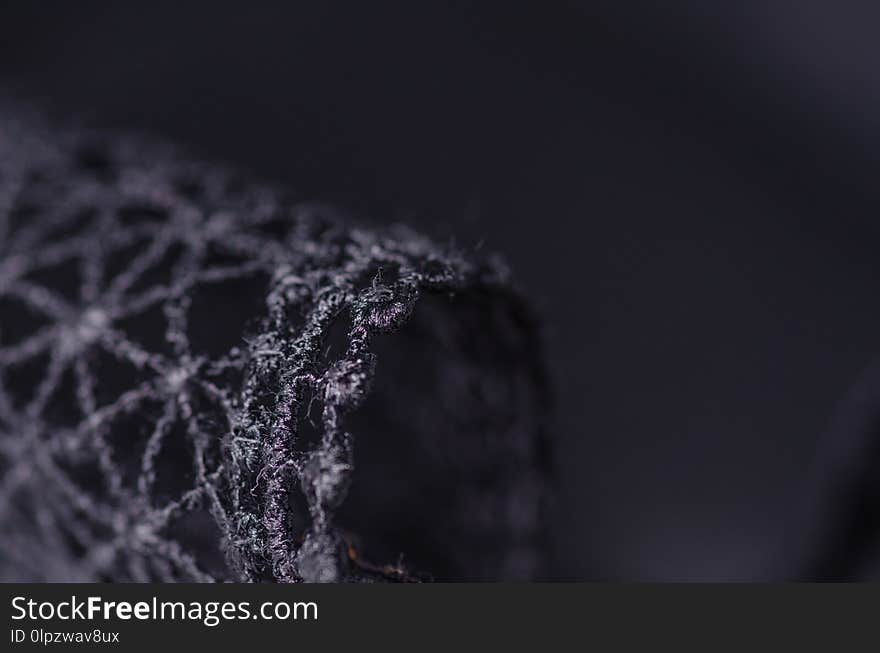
x=687 y=191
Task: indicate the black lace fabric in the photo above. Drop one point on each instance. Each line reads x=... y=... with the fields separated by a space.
x=204 y=379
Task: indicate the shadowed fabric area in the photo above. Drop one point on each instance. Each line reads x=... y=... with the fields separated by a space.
x=202 y=378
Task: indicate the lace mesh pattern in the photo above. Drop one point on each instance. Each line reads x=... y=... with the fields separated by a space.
x=182 y=353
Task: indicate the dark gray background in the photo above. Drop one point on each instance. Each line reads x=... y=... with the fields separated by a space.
x=687 y=190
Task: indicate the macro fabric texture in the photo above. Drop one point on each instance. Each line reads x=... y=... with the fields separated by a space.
x=204 y=379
